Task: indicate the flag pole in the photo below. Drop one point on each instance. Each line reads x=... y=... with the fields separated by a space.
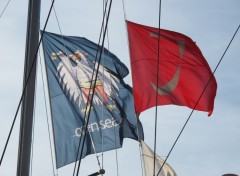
x=26 y=122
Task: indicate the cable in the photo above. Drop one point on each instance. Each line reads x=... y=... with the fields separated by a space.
x=79 y=92
x=91 y=100
x=198 y=100
x=55 y=13
x=4 y=8
x=25 y=86
x=116 y=153
x=45 y=104
x=124 y=11
x=137 y=116
x=156 y=111
x=102 y=132
x=80 y=141
x=63 y=43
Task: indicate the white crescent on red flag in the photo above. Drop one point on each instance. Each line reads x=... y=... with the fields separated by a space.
x=182 y=75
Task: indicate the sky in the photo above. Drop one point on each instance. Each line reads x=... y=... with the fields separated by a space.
x=208 y=146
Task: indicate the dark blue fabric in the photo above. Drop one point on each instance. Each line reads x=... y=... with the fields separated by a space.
x=107 y=127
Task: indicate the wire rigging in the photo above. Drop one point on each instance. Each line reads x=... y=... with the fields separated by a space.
x=92 y=142
x=65 y=52
x=102 y=132
x=26 y=83
x=85 y=125
x=156 y=109
x=5 y=8
x=115 y=136
x=137 y=116
x=48 y=124
x=198 y=100
x=85 y=116
x=55 y=13
x=95 y=80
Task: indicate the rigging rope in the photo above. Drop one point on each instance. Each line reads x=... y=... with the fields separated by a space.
x=48 y=125
x=124 y=11
x=63 y=43
x=156 y=109
x=102 y=27
x=5 y=8
x=198 y=100
x=25 y=86
x=71 y=68
x=104 y=8
x=85 y=125
x=137 y=117
x=79 y=93
x=91 y=99
x=116 y=151
x=55 y=13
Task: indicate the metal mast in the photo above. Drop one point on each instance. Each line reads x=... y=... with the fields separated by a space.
x=25 y=138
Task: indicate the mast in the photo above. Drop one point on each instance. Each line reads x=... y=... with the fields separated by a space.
x=25 y=136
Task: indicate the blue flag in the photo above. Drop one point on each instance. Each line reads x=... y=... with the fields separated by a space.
x=70 y=62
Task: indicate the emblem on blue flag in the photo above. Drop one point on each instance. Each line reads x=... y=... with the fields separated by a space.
x=77 y=77
x=70 y=67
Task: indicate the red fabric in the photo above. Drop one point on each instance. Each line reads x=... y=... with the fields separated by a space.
x=182 y=69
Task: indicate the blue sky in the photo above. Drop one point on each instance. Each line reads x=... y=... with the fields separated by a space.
x=208 y=146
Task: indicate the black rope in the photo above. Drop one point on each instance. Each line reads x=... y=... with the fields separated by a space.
x=91 y=98
x=198 y=100
x=55 y=13
x=4 y=8
x=87 y=104
x=45 y=104
x=156 y=111
x=137 y=116
x=25 y=86
x=104 y=9
x=80 y=141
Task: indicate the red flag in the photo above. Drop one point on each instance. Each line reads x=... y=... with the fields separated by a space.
x=183 y=71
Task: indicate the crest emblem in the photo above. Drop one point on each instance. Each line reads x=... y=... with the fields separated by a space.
x=170 y=86
x=77 y=76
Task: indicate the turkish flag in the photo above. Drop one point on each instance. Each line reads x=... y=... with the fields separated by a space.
x=178 y=76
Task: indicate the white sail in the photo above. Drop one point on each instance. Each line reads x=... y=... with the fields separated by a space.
x=148 y=158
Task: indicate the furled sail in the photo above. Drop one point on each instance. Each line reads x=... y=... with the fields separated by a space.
x=148 y=158
x=70 y=62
